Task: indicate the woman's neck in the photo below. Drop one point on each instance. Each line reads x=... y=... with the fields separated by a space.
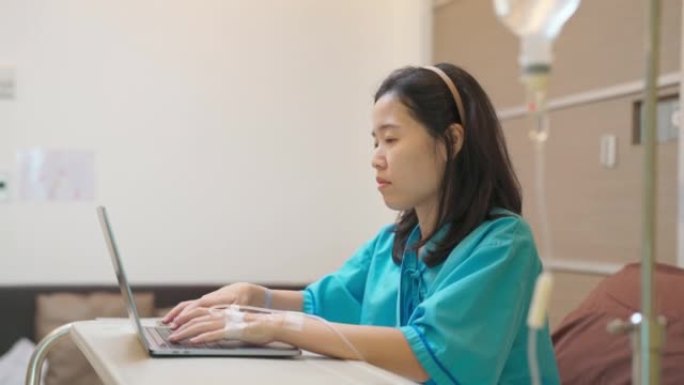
x=427 y=218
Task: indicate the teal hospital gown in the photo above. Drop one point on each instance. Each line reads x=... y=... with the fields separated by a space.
x=464 y=319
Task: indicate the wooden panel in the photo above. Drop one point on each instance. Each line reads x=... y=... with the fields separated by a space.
x=595 y=213
x=600 y=46
x=467 y=33
x=569 y=291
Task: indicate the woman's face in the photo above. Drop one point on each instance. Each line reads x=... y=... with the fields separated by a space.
x=409 y=163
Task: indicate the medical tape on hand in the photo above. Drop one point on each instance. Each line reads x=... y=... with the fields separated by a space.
x=234 y=319
x=235 y=325
x=292 y=320
x=233 y=331
x=234 y=322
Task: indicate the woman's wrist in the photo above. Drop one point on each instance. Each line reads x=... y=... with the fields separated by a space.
x=275 y=322
x=254 y=295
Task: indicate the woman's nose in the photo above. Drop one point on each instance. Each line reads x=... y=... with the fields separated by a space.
x=378 y=160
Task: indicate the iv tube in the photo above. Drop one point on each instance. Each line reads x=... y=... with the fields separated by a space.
x=536 y=318
x=537 y=23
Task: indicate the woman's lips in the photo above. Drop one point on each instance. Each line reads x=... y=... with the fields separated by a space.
x=382 y=182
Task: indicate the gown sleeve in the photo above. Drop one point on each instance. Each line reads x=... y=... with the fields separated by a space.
x=338 y=297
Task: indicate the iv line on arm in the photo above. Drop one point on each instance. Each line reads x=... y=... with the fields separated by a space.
x=235 y=325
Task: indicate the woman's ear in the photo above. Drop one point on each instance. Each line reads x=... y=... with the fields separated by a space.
x=458 y=137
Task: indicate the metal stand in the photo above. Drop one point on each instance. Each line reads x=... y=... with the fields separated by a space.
x=633 y=327
x=34 y=373
x=650 y=333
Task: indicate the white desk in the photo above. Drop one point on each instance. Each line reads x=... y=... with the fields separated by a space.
x=113 y=349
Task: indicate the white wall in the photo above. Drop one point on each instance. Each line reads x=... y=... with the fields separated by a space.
x=231 y=137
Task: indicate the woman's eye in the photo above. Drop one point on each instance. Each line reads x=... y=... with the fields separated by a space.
x=386 y=141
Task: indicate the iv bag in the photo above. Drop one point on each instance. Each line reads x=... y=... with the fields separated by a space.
x=537 y=23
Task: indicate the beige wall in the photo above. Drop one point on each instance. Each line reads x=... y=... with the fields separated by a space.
x=595 y=213
x=568 y=291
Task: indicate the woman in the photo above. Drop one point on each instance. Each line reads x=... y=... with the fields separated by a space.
x=441 y=296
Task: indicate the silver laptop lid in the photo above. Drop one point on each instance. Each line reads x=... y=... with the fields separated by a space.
x=120 y=275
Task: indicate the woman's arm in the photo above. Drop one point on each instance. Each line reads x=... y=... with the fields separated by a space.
x=285 y=300
x=384 y=347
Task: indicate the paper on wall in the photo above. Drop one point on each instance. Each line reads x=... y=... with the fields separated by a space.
x=56 y=175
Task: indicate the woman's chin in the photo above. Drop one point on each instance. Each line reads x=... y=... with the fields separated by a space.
x=393 y=205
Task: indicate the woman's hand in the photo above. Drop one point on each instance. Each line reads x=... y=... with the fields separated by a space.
x=210 y=325
x=246 y=294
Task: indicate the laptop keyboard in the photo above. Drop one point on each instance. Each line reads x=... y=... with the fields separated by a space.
x=159 y=337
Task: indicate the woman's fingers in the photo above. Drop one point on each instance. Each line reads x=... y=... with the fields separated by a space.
x=169 y=317
x=196 y=320
x=190 y=313
x=210 y=336
x=190 y=330
x=235 y=293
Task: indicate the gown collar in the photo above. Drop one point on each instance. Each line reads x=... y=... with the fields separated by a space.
x=412 y=283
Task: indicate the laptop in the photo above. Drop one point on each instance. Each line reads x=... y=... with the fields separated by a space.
x=155 y=338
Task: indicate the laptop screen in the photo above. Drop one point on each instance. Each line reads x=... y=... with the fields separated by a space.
x=120 y=275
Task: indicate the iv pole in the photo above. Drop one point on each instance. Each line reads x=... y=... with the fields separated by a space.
x=650 y=331
x=647 y=344
x=645 y=329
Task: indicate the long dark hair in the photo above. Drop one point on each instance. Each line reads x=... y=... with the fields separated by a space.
x=479 y=178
